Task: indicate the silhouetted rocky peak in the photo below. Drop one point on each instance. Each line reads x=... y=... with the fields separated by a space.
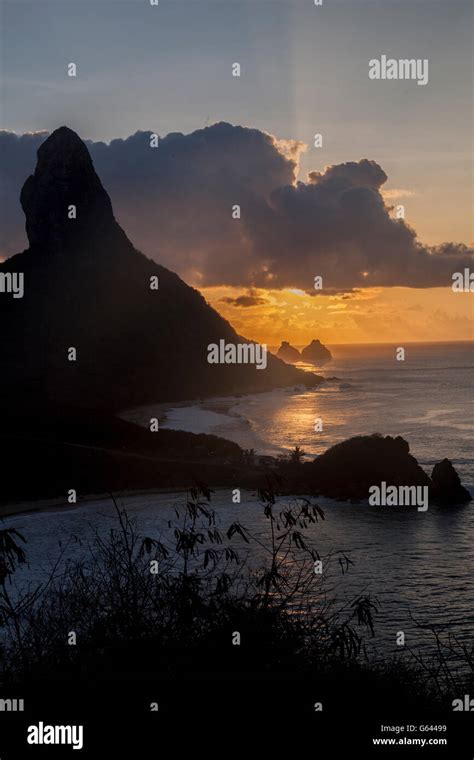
x=64 y=178
x=288 y=353
x=86 y=287
x=316 y=353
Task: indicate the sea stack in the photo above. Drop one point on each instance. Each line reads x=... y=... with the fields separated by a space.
x=446 y=485
x=288 y=353
x=316 y=353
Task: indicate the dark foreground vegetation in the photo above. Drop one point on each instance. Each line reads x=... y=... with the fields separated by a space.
x=188 y=622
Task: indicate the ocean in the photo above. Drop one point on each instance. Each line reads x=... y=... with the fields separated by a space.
x=428 y=399
x=418 y=567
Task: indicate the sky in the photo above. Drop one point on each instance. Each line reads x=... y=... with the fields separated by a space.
x=304 y=70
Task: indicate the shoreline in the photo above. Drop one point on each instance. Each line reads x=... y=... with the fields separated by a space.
x=58 y=505
x=220 y=405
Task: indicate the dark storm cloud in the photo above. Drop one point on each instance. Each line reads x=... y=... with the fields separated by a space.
x=175 y=203
x=245 y=301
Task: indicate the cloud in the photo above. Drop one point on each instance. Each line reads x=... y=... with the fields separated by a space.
x=245 y=301
x=175 y=203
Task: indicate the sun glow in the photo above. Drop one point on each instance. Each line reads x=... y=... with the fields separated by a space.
x=369 y=315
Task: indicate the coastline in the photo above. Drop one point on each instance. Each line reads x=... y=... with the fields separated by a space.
x=273 y=422
x=58 y=505
x=204 y=416
x=215 y=416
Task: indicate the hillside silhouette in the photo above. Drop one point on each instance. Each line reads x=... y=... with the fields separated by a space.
x=87 y=287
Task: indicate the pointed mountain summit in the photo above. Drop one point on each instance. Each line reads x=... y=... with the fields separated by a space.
x=88 y=291
x=65 y=185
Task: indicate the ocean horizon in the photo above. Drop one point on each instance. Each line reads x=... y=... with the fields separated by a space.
x=427 y=399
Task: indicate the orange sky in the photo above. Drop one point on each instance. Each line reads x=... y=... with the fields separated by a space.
x=375 y=315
